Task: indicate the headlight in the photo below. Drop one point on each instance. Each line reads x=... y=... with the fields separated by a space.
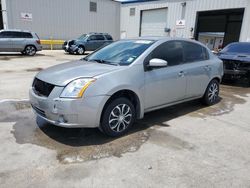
x=76 y=88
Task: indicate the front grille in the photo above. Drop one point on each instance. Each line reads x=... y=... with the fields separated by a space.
x=39 y=111
x=42 y=88
x=236 y=65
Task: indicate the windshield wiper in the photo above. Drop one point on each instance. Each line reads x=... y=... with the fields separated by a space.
x=103 y=61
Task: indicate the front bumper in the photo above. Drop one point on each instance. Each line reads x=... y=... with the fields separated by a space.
x=70 y=113
x=70 y=49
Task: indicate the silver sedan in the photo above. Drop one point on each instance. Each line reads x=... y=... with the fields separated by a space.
x=119 y=83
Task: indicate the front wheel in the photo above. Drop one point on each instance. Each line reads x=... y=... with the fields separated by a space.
x=30 y=50
x=118 y=117
x=80 y=50
x=211 y=95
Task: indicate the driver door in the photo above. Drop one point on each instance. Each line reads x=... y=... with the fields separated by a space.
x=167 y=84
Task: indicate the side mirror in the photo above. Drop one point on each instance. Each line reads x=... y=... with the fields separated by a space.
x=157 y=63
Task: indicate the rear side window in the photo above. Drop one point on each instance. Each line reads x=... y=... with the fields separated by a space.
x=100 y=37
x=171 y=51
x=108 y=37
x=194 y=52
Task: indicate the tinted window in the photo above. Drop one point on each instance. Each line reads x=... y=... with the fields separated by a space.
x=108 y=37
x=237 y=48
x=100 y=37
x=172 y=52
x=122 y=52
x=21 y=35
x=5 y=34
x=194 y=52
x=27 y=35
x=92 y=37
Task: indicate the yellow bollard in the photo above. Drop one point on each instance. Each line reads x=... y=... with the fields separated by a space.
x=51 y=43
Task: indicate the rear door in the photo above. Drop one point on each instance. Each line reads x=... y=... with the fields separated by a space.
x=100 y=41
x=19 y=40
x=168 y=84
x=5 y=41
x=197 y=68
x=91 y=43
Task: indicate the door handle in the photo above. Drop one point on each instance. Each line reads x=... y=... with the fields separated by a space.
x=207 y=68
x=181 y=74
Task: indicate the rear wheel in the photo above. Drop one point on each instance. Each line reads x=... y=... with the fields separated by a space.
x=118 y=117
x=211 y=95
x=30 y=50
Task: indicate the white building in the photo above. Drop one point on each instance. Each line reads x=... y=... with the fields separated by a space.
x=187 y=18
x=61 y=19
x=67 y=19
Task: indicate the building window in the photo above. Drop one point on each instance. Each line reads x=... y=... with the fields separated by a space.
x=92 y=6
x=132 y=12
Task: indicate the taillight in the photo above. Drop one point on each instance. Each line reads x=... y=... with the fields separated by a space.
x=38 y=41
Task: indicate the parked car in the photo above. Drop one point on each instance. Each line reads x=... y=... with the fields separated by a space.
x=236 y=59
x=117 y=84
x=26 y=42
x=87 y=42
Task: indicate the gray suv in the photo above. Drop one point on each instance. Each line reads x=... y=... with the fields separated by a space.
x=26 y=42
x=87 y=42
x=117 y=84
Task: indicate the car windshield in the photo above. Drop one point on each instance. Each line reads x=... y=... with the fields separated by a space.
x=82 y=37
x=122 y=52
x=243 y=48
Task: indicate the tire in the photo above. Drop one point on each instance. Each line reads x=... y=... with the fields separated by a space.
x=211 y=95
x=30 y=50
x=80 y=50
x=117 y=117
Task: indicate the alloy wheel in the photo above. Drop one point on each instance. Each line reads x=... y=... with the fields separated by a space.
x=120 y=117
x=30 y=50
x=213 y=92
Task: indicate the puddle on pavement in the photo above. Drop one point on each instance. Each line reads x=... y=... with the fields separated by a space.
x=78 y=145
x=230 y=96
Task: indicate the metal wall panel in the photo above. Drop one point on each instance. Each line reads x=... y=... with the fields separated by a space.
x=130 y=25
x=65 y=19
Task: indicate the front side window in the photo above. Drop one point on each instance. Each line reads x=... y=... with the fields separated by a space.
x=92 y=37
x=171 y=51
x=122 y=52
x=194 y=52
x=5 y=34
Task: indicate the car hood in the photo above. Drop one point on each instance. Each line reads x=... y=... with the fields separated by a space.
x=62 y=74
x=237 y=57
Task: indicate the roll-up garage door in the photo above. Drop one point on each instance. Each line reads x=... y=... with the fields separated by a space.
x=153 y=22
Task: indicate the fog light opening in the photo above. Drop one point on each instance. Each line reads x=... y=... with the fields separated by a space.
x=62 y=119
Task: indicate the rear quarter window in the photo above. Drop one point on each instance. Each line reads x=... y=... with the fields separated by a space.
x=108 y=37
x=27 y=35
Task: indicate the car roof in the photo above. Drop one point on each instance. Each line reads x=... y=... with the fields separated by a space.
x=160 y=38
x=16 y=30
